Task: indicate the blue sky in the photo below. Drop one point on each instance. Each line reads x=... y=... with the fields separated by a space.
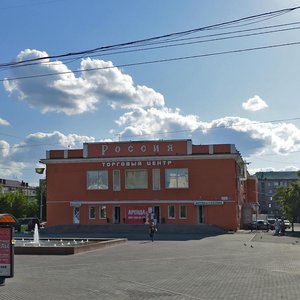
x=248 y=97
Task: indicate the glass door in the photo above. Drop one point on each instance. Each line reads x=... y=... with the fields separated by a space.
x=117 y=217
x=157 y=214
x=76 y=215
x=201 y=214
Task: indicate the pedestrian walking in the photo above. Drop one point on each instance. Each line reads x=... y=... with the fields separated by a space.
x=282 y=228
x=152 y=230
x=277 y=227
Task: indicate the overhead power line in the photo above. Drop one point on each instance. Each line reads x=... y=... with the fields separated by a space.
x=166 y=37
x=154 y=61
x=176 y=42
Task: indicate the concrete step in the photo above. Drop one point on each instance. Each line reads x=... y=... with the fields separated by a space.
x=130 y=229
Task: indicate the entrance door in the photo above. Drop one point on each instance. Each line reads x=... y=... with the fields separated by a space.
x=157 y=213
x=117 y=217
x=201 y=214
x=76 y=215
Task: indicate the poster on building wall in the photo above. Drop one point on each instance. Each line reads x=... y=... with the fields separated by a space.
x=5 y=252
x=137 y=214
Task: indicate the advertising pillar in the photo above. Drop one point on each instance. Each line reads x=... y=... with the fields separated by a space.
x=6 y=248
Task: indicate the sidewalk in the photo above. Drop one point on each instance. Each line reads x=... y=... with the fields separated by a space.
x=240 y=266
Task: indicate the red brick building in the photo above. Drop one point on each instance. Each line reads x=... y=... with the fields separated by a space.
x=174 y=182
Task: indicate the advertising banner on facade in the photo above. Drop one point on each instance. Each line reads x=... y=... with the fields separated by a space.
x=137 y=214
x=6 y=252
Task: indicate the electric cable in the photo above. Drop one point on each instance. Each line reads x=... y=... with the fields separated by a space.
x=153 y=61
x=196 y=40
x=161 y=37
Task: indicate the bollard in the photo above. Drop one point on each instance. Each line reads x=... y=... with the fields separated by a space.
x=2 y=281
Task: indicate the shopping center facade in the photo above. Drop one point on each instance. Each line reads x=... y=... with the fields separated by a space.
x=132 y=182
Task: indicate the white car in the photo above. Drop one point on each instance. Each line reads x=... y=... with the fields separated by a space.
x=287 y=224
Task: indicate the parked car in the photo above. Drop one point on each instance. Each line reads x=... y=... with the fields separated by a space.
x=260 y=225
x=271 y=223
x=26 y=224
x=287 y=224
x=43 y=224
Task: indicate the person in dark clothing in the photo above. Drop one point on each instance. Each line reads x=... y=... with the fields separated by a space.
x=277 y=227
x=152 y=230
x=282 y=227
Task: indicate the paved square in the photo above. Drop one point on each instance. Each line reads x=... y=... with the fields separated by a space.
x=230 y=266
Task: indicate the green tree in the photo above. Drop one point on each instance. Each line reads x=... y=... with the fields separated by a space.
x=18 y=204
x=41 y=195
x=4 y=205
x=289 y=200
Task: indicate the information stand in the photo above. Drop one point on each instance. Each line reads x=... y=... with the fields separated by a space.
x=6 y=247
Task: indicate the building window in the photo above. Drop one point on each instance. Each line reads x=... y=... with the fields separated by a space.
x=182 y=212
x=136 y=179
x=177 y=178
x=116 y=180
x=156 y=179
x=97 y=180
x=102 y=212
x=171 y=212
x=92 y=212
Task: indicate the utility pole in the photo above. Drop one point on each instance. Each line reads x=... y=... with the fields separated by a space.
x=41 y=171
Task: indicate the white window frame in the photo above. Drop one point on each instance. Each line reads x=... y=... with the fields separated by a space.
x=129 y=182
x=156 y=179
x=102 y=208
x=97 y=180
x=178 y=179
x=116 y=180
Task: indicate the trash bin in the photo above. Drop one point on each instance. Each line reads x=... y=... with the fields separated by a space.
x=6 y=247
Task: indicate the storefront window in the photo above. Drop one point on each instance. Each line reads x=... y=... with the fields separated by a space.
x=156 y=179
x=177 y=178
x=92 y=212
x=182 y=212
x=171 y=212
x=136 y=179
x=97 y=180
x=102 y=212
x=116 y=180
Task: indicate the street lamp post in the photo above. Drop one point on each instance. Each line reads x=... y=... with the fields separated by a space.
x=41 y=201
x=40 y=171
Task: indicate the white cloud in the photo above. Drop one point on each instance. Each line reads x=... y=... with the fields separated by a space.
x=35 y=145
x=15 y=159
x=4 y=122
x=66 y=93
x=4 y=149
x=250 y=137
x=157 y=123
x=255 y=104
x=11 y=169
x=272 y=169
